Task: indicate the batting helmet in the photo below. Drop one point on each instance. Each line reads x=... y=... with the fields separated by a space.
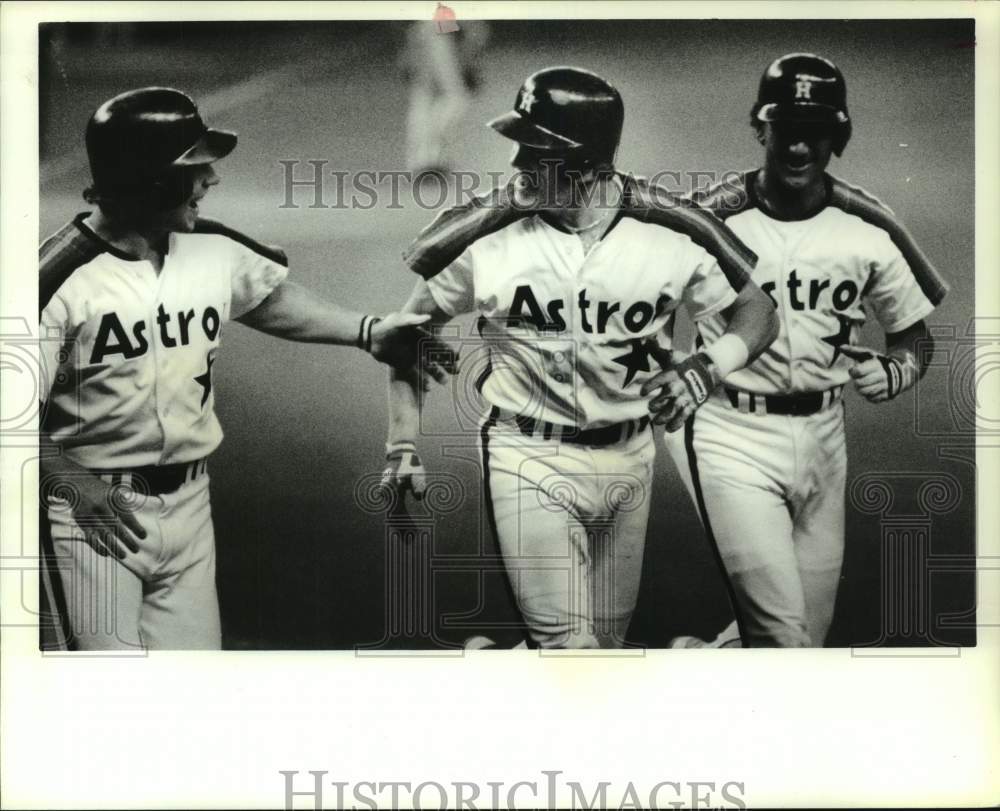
x=804 y=87
x=139 y=137
x=568 y=112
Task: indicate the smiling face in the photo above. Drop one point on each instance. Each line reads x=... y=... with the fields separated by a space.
x=796 y=153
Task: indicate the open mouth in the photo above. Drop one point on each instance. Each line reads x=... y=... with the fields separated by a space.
x=798 y=167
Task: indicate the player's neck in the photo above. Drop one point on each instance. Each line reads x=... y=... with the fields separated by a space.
x=786 y=203
x=145 y=244
x=597 y=204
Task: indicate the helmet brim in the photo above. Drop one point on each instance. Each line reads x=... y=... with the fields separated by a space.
x=821 y=113
x=213 y=145
x=515 y=126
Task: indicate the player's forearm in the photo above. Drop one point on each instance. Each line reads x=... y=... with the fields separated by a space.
x=54 y=467
x=296 y=314
x=752 y=326
x=913 y=344
x=54 y=464
x=404 y=405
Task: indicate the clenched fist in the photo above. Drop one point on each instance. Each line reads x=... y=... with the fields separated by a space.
x=879 y=377
x=684 y=385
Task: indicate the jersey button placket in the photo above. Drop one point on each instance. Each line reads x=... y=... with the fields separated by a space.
x=160 y=358
x=786 y=314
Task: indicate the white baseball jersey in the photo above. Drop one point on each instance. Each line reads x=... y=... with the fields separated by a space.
x=128 y=352
x=824 y=273
x=568 y=331
x=769 y=487
x=568 y=335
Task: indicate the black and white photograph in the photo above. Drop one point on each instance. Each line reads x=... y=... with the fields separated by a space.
x=486 y=336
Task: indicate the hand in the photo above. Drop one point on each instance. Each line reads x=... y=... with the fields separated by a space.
x=684 y=384
x=404 y=471
x=879 y=377
x=108 y=526
x=397 y=339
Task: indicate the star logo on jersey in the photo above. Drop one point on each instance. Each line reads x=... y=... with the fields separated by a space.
x=841 y=337
x=803 y=90
x=205 y=378
x=635 y=360
x=527 y=101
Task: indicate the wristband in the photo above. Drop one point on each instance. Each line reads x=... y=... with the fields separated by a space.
x=359 y=342
x=729 y=353
x=364 y=339
x=699 y=374
x=900 y=372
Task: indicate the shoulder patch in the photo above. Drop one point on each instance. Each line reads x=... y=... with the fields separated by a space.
x=456 y=228
x=59 y=256
x=857 y=201
x=653 y=204
x=730 y=196
x=272 y=252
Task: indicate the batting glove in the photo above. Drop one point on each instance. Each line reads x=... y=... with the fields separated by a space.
x=684 y=385
x=877 y=377
x=404 y=470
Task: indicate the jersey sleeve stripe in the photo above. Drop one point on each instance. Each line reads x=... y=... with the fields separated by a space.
x=705 y=229
x=272 y=252
x=728 y=197
x=455 y=229
x=853 y=200
x=58 y=257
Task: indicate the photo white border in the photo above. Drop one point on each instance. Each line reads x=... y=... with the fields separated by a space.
x=798 y=728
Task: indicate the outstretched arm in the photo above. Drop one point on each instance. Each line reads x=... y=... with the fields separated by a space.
x=297 y=314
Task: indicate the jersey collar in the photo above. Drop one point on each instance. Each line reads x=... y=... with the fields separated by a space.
x=106 y=246
x=756 y=201
x=621 y=180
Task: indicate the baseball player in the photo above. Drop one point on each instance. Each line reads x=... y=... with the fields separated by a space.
x=575 y=272
x=133 y=297
x=440 y=66
x=765 y=458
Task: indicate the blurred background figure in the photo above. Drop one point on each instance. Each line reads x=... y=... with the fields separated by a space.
x=440 y=62
x=444 y=19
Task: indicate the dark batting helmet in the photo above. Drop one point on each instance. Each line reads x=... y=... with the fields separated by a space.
x=567 y=112
x=804 y=87
x=139 y=140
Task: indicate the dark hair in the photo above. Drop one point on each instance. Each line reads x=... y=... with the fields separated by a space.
x=131 y=205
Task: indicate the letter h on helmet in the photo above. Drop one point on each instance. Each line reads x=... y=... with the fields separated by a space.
x=566 y=112
x=804 y=87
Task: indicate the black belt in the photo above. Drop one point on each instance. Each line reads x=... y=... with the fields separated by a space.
x=155 y=480
x=608 y=435
x=801 y=404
